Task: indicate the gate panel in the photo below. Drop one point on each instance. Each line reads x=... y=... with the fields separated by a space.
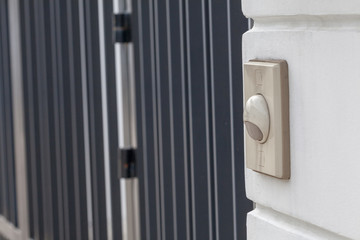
x=189 y=98
x=189 y=117
x=64 y=121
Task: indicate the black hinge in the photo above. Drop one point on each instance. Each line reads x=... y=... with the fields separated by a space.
x=122 y=28
x=127 y=163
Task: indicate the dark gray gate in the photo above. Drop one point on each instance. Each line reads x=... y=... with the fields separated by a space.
x=190 y=132
x=58 y=120
x=64 y=120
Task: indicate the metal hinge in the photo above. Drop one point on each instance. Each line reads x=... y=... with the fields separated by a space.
x=127 y=163
x=122 y=28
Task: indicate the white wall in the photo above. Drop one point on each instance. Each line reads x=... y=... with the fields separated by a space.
x=320 y=40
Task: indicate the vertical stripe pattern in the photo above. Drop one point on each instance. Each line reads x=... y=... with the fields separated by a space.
x=64 y=120
x=189 y=90
x=189 y=119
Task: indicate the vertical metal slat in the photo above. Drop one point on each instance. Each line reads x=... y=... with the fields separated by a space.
x=3 y=175
x=87 y=167
x=163 y=119
x=50 y=118
x=76 y=119
x=9 y=143
x=62 y=55
x=112 y=119
x=56 y=155
x=221 y=114
x=42 y=71
x=199 y=123
x=147 y=146
x=95 y=119
x=18 y=117
x=31 y=114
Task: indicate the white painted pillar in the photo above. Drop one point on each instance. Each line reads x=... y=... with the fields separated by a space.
x=320 y=40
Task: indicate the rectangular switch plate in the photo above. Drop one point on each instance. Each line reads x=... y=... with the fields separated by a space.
x=270 y=79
